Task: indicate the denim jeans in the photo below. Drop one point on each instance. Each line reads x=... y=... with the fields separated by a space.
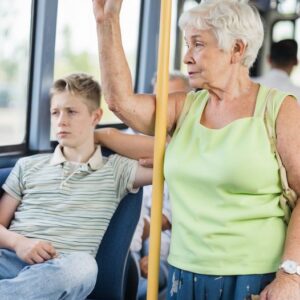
x=184 y=285
x=162 y=281
x=143 y=282
x=69 y=277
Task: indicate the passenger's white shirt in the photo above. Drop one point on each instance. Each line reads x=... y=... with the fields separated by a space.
x=136 y=243
x=279 y=79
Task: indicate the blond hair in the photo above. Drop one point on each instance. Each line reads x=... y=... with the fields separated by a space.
x=80 y=84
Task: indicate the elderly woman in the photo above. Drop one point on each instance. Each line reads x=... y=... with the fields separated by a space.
x=229 y=238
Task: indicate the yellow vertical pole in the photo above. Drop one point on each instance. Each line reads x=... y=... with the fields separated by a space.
x=159 y=147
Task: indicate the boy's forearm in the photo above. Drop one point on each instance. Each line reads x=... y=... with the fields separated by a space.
x=8 y=239
x=129 y=145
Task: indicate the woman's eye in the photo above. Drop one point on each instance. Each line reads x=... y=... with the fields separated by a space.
x=198 y=44
x=54 y=113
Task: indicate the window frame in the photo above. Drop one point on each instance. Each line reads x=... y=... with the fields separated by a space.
x=21 y=148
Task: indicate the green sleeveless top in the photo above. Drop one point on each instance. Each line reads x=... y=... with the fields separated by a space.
x=224 y=188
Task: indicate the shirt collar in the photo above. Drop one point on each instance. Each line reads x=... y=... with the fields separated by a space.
x=95 y=162
x=278 y=72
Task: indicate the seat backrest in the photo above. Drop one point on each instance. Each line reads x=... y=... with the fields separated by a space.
x=4 y=172
x=113 y=254
x=112 y=257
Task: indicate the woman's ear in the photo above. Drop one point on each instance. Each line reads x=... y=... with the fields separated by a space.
x=238 y=51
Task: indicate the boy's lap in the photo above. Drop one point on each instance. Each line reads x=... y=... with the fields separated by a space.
x=10 y=264
x=77 y=262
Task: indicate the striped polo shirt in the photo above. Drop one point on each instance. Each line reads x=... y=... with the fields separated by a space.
x=68 y=204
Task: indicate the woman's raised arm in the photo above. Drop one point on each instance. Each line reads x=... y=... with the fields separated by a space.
x=136 y=110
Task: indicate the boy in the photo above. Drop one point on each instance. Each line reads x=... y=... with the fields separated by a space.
x=56 y=207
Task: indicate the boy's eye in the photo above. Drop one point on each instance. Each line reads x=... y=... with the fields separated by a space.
x=54 y=113
x=72 y=112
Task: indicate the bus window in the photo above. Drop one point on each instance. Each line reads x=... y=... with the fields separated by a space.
x=76 y=47
x=296 y=72
x=187 y=5
x=283 y=30
x=287 y=6
x=15 y=19
x=173 y=34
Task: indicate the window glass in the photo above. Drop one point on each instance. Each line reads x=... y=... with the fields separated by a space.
x=76 y=41
x=174 y=25
x=295 y=76
x=287 y=6
x=285 y=30
x=187 y=5
x=282 y=30
x=15 y=21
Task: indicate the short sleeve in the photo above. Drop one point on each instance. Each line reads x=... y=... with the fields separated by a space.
x=124 y=170
x=14 y=184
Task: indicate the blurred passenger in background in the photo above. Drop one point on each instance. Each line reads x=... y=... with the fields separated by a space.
x=283 y=59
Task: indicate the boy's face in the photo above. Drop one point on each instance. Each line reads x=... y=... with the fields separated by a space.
x=72 y=121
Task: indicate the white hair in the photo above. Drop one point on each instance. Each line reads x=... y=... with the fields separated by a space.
x=229 y=20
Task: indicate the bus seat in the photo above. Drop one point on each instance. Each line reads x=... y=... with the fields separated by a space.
x=132 y=278
x=113 y=258
x=4 y=172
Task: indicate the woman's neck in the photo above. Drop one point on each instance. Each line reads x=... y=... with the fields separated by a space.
x=235 y=86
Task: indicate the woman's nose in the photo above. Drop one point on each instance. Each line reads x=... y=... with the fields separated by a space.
x=188 y=58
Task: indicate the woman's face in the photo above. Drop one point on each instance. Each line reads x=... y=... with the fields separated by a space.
x=208 y=66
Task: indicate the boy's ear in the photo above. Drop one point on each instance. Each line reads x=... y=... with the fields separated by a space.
x=97 y=115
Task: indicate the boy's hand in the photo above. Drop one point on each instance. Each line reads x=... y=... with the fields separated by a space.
x=34 y=251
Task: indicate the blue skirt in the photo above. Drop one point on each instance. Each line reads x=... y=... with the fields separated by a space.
x=184 y=285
